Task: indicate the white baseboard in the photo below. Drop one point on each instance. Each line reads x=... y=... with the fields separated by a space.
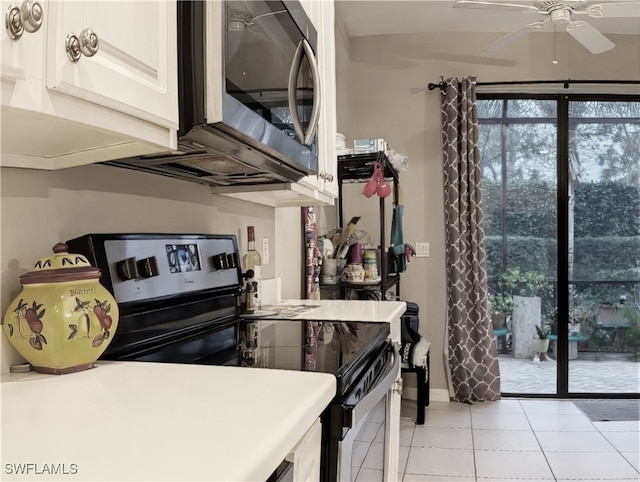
x=435 y=394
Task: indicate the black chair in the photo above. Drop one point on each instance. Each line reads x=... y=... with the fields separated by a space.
x=415 y=357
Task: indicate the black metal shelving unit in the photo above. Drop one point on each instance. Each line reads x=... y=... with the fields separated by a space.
x=359 y=168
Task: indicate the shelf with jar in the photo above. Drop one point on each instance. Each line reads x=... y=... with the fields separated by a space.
x=358 y=168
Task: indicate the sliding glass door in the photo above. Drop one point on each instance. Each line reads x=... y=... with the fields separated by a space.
x=562 y=220
x=518 y=139
x=604 y=246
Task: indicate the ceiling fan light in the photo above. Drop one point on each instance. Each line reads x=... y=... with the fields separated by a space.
x=561 y=16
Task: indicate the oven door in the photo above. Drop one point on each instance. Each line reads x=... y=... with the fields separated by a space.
x=364 y=451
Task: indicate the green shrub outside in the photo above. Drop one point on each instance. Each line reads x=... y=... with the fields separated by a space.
x=606 y=209
x=606 y=236
x=606 y=229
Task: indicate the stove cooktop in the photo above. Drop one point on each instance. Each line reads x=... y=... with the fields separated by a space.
x=342 y=348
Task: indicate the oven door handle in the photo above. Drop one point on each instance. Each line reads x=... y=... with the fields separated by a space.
x=304 y=48
x=353 y=413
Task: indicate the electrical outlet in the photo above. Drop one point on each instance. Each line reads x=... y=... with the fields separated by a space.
x=265 y=251
x=422 y=249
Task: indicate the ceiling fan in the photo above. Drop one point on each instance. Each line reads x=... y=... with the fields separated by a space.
x=559 y=12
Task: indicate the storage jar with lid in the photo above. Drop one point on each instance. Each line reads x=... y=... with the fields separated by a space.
x=63 y=319
x=370 y=264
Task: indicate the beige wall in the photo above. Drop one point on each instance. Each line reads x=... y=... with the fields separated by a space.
x=375 y=80
x=41 y=208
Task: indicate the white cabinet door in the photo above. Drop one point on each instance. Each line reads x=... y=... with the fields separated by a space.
x=306 y=455
x=131 y=70
x=22 y=55
x=327 y=128
x=322 y=14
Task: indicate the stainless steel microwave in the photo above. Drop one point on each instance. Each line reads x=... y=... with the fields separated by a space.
x=249 y=95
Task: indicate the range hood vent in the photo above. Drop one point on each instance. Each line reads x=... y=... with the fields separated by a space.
x=211 y=156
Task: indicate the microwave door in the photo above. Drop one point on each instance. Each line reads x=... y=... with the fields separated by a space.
x=304 y=49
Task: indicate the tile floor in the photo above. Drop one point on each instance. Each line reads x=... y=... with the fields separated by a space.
x=515 y=440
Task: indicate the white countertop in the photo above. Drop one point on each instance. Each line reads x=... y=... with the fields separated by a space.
x=150 y=421
x=367 y=311
x=350 y=310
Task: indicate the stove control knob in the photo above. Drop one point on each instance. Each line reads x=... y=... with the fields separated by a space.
x=127 y=269
x=232 y=260
x=148 y=267
x=217 y=261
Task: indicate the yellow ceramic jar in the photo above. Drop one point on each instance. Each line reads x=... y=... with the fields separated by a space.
x=63 y=319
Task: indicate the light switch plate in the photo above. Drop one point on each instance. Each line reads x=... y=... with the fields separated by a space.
x=422 y=249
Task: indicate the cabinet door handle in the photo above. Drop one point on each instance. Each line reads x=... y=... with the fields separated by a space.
x=72 y=46
x=31 y=15
x=89 y=42
x=27 y=16
x=325 y=176
x=13 y=24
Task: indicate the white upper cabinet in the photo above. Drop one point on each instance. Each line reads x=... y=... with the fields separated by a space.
x=16 y=41
x=96 y=81
x=322 y=14
x=126 y=67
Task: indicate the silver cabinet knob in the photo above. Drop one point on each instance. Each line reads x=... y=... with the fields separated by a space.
x=13 y=24
x=326 y=176
x=31 y=15
x=72 y=46
x=86 y=43
x=27 y=16
x=89 y=43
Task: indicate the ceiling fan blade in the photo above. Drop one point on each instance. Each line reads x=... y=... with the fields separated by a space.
x=516 y=34
x=611 y=10
x=588 y=35
x=494 y=6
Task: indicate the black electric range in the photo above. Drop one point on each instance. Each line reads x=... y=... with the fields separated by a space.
x=179 y=302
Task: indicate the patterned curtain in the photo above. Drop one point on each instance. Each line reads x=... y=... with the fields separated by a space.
x=473 y=363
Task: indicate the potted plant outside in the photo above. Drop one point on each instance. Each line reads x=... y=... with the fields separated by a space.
x=610 y=313
x=541 y=340
x=526 y=289
x=500 y=306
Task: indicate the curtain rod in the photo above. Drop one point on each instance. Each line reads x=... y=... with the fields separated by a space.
x=442 y=84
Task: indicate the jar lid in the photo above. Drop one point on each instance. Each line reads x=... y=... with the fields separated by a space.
x=60 y=267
